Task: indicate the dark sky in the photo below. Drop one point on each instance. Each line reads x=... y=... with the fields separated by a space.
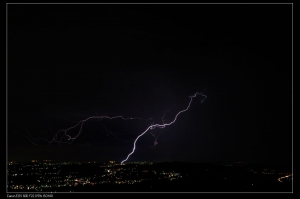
x=69 y=62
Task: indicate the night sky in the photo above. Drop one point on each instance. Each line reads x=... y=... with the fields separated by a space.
x=68 y=62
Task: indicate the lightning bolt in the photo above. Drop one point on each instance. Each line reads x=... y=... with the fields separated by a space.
x=153 y=126
x=58 y=138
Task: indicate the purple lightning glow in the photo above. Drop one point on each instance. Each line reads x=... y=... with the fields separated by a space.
x=153 y=126
x=63 y=134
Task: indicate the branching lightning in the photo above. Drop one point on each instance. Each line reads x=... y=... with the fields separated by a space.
x=153 y=126
x=70 y=139
x=62 y=136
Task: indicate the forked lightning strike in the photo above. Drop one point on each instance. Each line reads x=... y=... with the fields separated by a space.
x=61 y=137
x=153 y=126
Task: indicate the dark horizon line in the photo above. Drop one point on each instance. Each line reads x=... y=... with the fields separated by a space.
x=175 y=161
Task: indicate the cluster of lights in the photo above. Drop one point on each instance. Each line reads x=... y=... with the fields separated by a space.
x=171 y=175
x=112 y=175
